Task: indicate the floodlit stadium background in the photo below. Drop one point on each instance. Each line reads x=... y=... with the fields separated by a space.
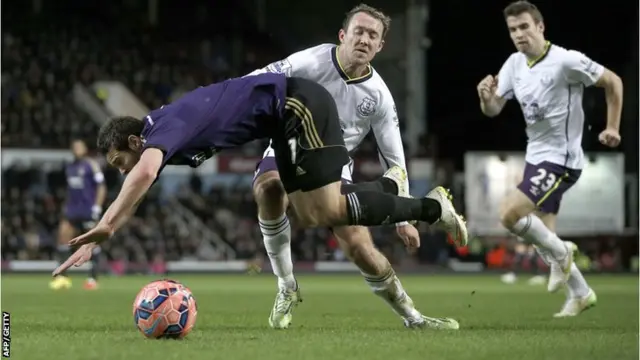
x=68 y=65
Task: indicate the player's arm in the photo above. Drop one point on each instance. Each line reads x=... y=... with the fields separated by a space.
x=101 y=188
x=494 y=91
x=613 y=90
x=135 y=186
x=580 y=69
x=386 y=130
x=493 y=105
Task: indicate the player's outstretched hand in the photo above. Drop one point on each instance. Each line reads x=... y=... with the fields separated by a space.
x=81 y=256
x=610 y=137
x=487 y=87
x=96 y=235
x=410 y=236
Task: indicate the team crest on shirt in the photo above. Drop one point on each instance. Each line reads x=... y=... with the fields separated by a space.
x=532 y=110
x=546 y=79
x=367 y=106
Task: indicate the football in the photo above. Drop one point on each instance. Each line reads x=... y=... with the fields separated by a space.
x=165 y=309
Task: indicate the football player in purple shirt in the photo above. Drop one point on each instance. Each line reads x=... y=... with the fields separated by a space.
x=300 y=117
x=86 y=193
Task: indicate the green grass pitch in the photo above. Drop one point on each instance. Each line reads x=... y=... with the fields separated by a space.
x=339 y=319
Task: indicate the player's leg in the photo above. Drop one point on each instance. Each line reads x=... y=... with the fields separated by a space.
x=378 y=273
x=392 y=182
x=533 y=258
x=325 y=206
x=272 y=203
x=66 y=232
x=310 y=154
x=517 y=215
x=580 y=296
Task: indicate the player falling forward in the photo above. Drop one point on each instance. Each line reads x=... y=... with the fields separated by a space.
x=86 y=193
x=364 y=103
x=299 y=116
x=548 y=81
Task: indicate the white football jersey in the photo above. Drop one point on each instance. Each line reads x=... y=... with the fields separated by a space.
x=550 y=92
x=364 y=103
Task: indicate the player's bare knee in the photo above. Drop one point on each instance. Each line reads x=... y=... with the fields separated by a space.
x=508 y=216
x=513 y=208
x=270 y=195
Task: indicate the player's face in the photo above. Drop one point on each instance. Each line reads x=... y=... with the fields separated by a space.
x=363 y=38
x=79 y=148
x=125 y=160
x=526 y=34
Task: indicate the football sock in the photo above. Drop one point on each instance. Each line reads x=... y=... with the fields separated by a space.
x=577 y=285
x=383 y=184
x=62 y=253
x=388 y=287
x=369 y=208
x=534 y=231
x=276 y=235
x=95 y=257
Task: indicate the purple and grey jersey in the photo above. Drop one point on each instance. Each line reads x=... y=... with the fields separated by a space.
x=83 y=178
x=212 y=118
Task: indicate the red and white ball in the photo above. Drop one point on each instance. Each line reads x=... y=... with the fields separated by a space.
x=165 y=309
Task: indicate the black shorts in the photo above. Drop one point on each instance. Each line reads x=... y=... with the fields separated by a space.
x=82 y=225
x=308 y=144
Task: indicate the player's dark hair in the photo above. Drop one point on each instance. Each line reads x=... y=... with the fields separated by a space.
x=115 y=133
x=521 y=7
x=371 y=11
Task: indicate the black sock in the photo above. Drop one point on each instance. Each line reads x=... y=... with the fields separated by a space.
x=93 y=272
x=369 y=208
x=383 y=184
x=62 y=254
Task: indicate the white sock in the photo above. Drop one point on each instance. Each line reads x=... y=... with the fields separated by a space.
x=534 y=231
x=577 y=285
x=389 y=288
x=276 y=235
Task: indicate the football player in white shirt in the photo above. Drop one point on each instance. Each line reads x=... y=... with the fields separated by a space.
x=548 y=81
x=364 y=103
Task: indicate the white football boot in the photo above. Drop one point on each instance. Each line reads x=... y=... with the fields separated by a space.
x=426 y=322
x=282 y=312
x=560 y=269
x=449 y=220
x=419 y=321
x=575 y=306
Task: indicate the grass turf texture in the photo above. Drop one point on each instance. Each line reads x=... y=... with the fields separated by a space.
x=339 y=319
